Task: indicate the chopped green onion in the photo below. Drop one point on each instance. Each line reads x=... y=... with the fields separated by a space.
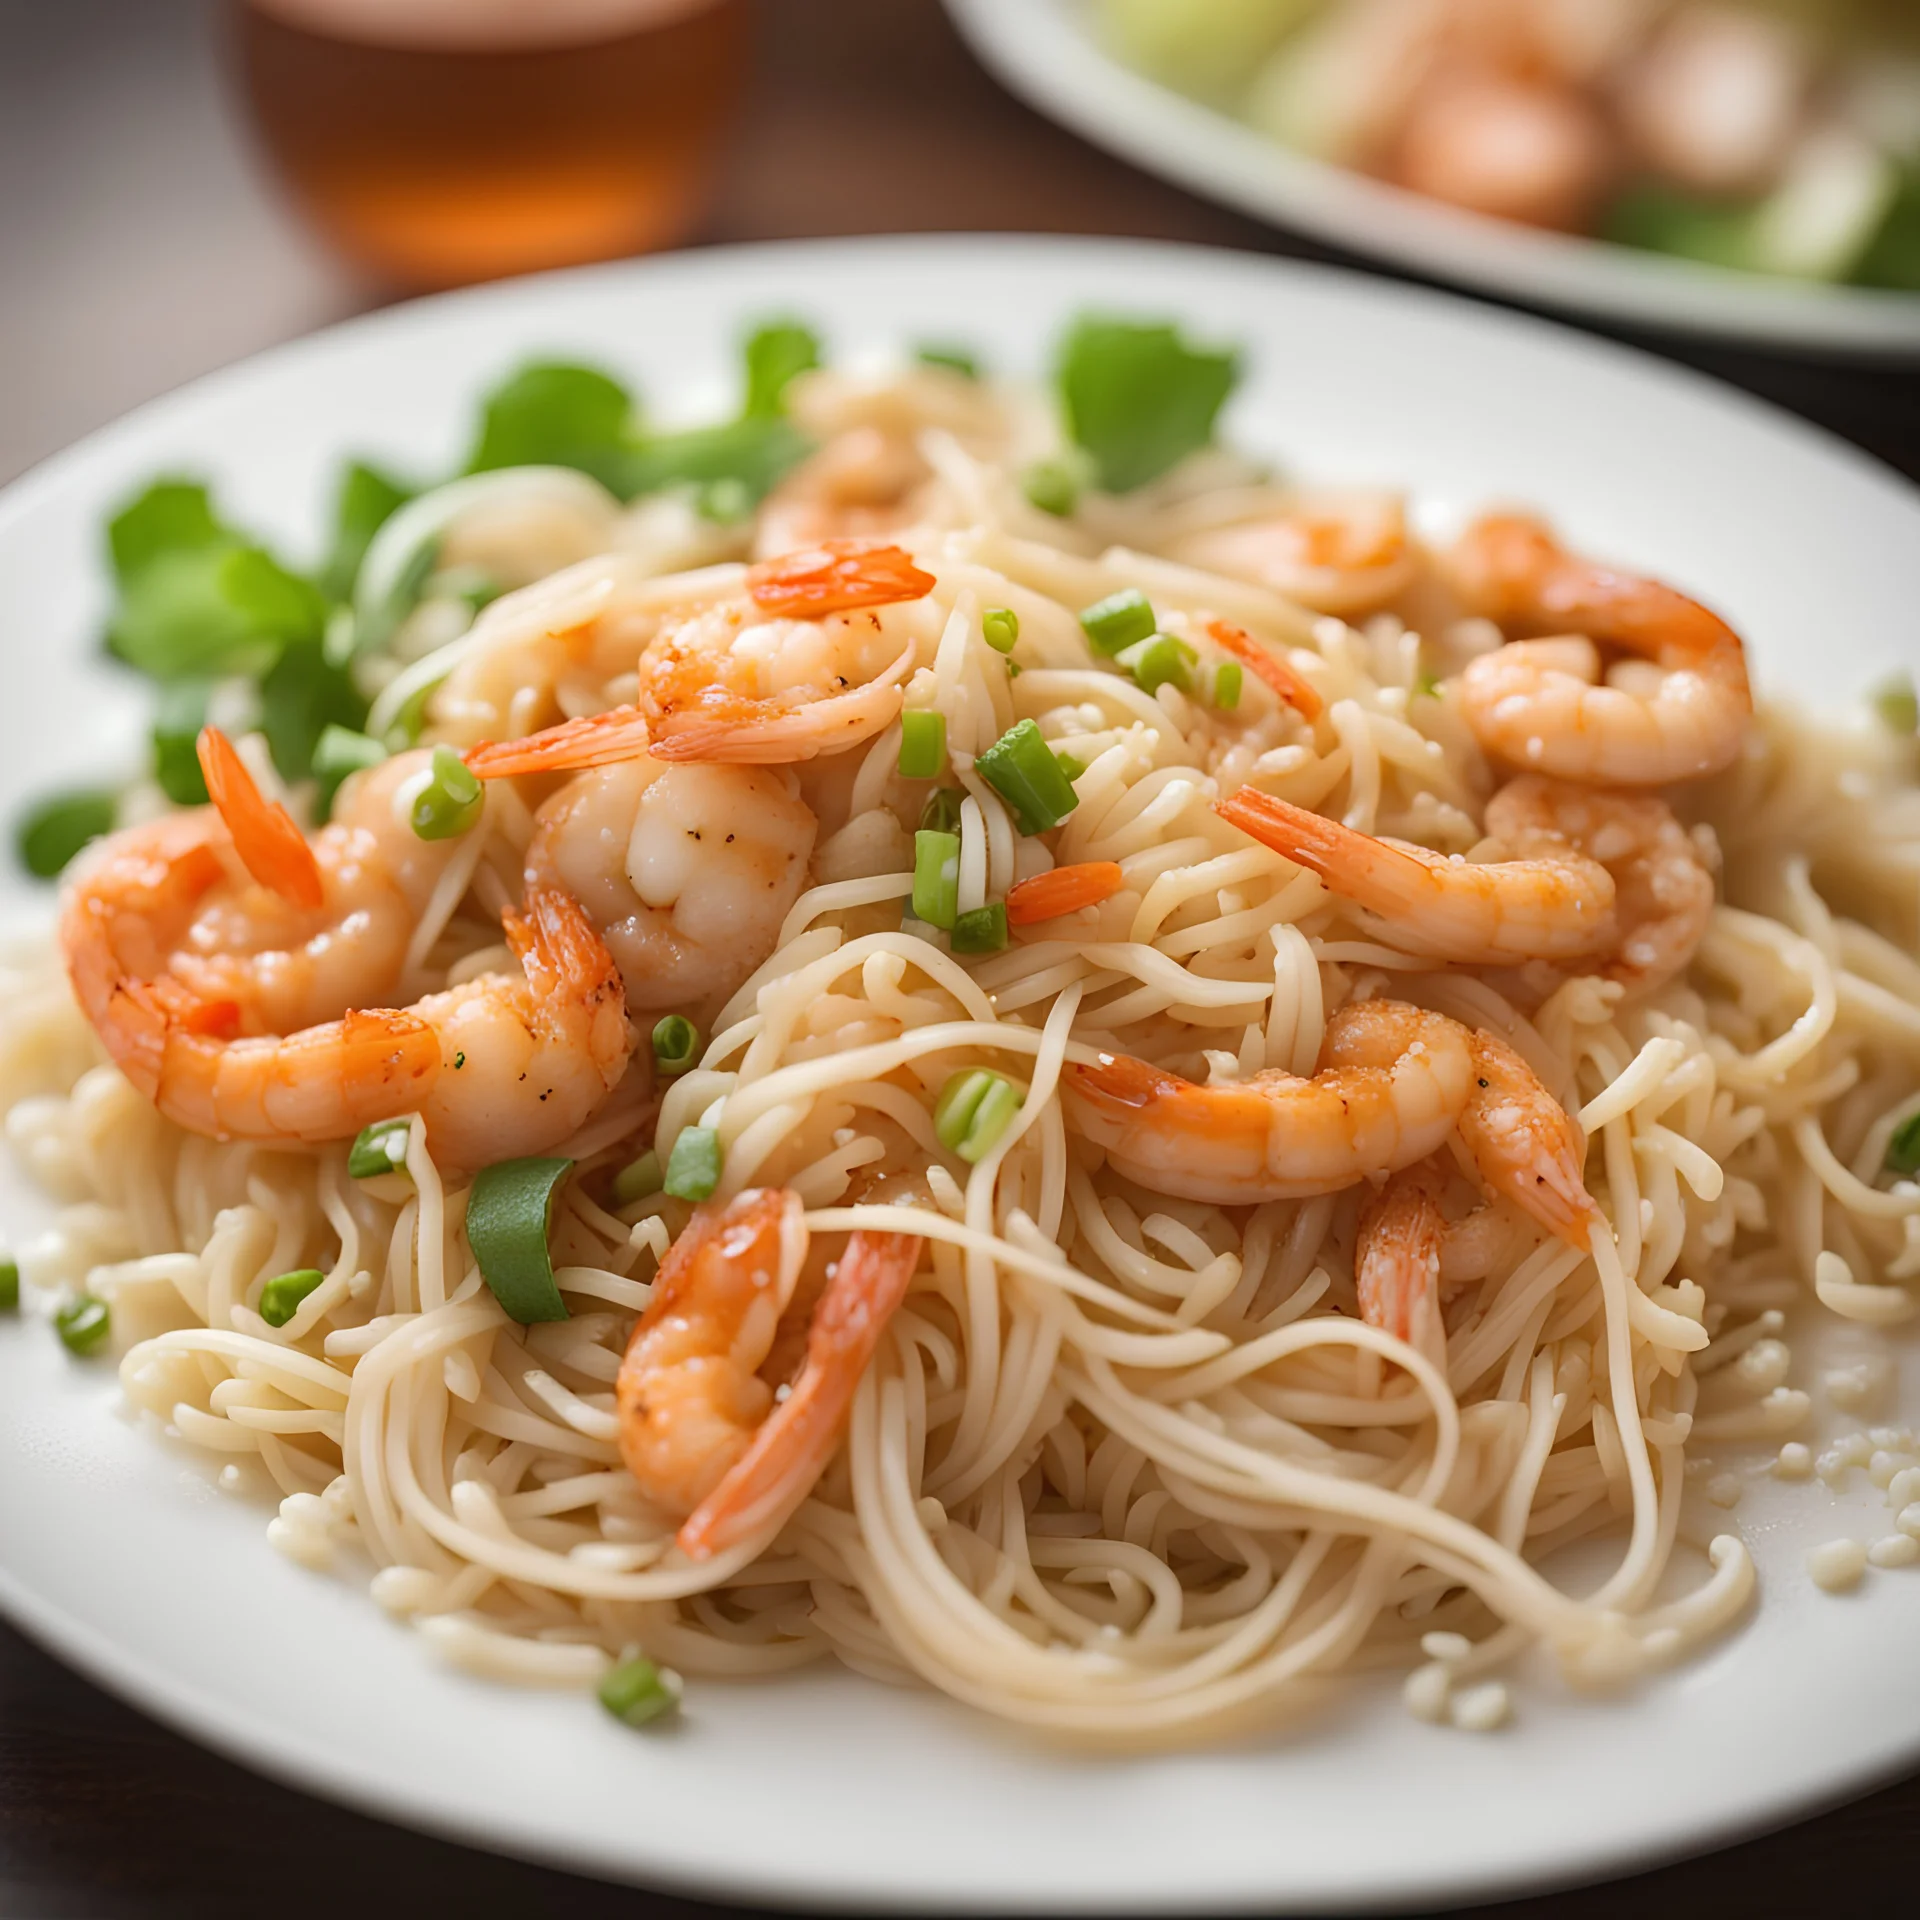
x=955 y=359
x=380 y=1148
x=923 y=744
x=452 y=800
x=1069 y=763
x=410 y=720
x=725 y=501
x=941 y=814
x=509 y=1215
x=676 y=1045
x=1023 y=772
x=1000 y=627
x=179 y=714
x=9 y=1285
x=693 y=1167
x=1051 y=486
x=1897 y=704
x=637 y=1691
x=984 y=930
x=83 y=1323
x=973 y=1111
x=1119 y=620
x=339 y=752
x=1228 y=679
x=280 y=1298
x=936 y=877
x=1903 y=1150
x=1158 y=662
x=49 y=836
x=637 y=1179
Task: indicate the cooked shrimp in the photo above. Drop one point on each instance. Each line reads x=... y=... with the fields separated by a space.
x=1343 y=553
x=700 y=1429
x=222 y=1001
x=1679 y=711
x=1555 y=903
x=1392 y=1082
x=810 y=660
x=688 y=871
x=1396 y=1258
x=1063 y=890
x=1286 y=684
x=1663 y=892
x=863 y=483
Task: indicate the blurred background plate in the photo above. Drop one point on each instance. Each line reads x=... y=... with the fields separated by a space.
x=118 y=1553
x=1045 y=51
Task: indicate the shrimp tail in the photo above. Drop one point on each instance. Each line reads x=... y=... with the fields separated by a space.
x=791 y=1449
x=838 y=576
x=598 y=740
x=1397 y=1253
x=1291 y=688
x=1525 y=1145
x=270 y=846
x=721 y=727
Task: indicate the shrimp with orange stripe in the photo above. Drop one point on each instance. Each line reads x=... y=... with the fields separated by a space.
x=809 y=659
x=240 y=976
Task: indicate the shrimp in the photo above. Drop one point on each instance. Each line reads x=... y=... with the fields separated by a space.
x=222 y=1001
x=1555 y=904
x=688 y=871
x=1392 y=1082
x=704 y=1435
x=864 y=482
x=1341 y=553
x=1663 y=891
x=1396 y=1259
x=1680 y=711
x=810 y=660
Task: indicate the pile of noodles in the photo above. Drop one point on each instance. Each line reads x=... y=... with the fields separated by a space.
x=1124 y=1464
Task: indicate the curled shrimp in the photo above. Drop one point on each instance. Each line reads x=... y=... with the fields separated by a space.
x=809 y=661
x=1555 y=904
x=1394 y=1081
x=1391 y=1083
x=1341 y=553
x=231 y=1007
x=1396 y=1260
x=700 y=1430
x=1678 y=710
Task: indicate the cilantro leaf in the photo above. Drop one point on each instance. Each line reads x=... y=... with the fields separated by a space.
x=196 y=612
x=552 y=415
x=367 y=500
x=1139 y=398
x=303 y=694
x=178 y=717
x=756 y=453
x=775 y=354
x=51 y=833
x=171 y=516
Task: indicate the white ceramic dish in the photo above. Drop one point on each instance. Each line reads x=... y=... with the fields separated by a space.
x=1044 y=51
x=118 y=1553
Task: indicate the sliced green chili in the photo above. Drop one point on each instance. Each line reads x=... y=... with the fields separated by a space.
x=452 y=800
x=1022 y=770
x=923 y=745
x=694 y=1165
x=984 y=930
x=380 y=1148
x=936 y=877
x=676 y=1045
x=83 y=1323
x=1000 y=627
x=280 y=1298
x=637 y=1691
x=1119 y=620
x=509 y=1215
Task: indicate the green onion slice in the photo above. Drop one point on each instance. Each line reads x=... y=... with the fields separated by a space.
x=676 y=1045
x=694 y=1165
x=83 y=1323
x=380 y=1148
x=280 y=1298
x=1021 y=769
x=1903 y=1150
x=1119 y=620
x=1000 y=627
x=1159 y=661
x=9 y=1285
x=923 y=745
x=637 y=1691
x=637 y=1179
x=984 y=930
x=936 y=877
x=338 y=752
x=509 y=1215
x=974 y=1109
x=1051 y=486
x=452 y=800
x=1228 y=680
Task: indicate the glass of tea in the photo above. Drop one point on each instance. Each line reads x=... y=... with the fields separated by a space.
x=442 y=141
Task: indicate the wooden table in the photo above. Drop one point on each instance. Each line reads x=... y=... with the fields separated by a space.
x=867 y=116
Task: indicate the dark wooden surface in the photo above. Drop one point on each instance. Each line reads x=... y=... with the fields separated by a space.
x=866 y=116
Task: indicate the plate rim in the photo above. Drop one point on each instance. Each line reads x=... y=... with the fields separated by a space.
x=1210 y=153
x=257 y=1744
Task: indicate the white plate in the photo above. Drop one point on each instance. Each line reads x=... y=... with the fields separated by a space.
x=116 y=1551
x=1044 y=51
